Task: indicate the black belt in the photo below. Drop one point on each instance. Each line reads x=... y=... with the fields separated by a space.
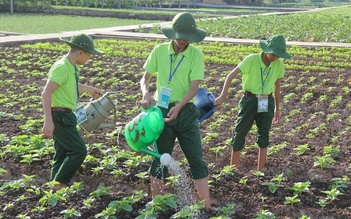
x=60 y=109
x=249 y=94
x=170 y=105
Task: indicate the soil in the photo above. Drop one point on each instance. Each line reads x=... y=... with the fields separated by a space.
x=249 y=198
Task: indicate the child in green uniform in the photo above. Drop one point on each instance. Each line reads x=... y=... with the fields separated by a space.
x=59 y=101
x=179 y=68
x=261 y=74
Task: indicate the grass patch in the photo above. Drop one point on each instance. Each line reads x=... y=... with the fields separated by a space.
x=42 y=24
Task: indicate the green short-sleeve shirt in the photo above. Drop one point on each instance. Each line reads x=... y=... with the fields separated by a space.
x=62 y=73
x=191 y=68
x=254 y=73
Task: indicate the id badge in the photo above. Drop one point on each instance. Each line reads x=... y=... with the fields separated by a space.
x=164 y=98
x=262 y=103
x=81 y=114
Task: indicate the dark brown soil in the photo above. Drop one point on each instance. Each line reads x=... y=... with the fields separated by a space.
x=250 y=197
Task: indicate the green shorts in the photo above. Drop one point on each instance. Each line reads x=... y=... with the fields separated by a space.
x=186 y=129
x=247 y=116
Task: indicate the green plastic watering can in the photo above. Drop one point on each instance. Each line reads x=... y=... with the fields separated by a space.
x=144 y=130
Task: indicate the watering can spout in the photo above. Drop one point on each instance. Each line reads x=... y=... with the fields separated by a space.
x=150 y=152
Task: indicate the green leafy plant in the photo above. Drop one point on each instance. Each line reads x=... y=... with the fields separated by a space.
x=322 y=202
x=340 y=183
x=300 y=187
x=324 y=162
x=217 y=150
x=301 y=149
x=331 y=151
x=189 y=211
x=227 y=210
x=291 y=200
x=243 y=180
x=52 y=198
x=101 y=191
x=159 y=204
x=272 y=186
x=333 y=194
x=70 y=213
x=265 y=214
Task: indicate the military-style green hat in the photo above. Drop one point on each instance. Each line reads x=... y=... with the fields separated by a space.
x=82 y=41
x=183 y=27
x=275 y=45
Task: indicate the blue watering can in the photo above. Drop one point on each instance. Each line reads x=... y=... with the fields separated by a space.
x=204 y=102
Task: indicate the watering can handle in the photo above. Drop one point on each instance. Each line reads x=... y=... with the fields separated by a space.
x=210 y=94
x=145 y=110
x=107 y=93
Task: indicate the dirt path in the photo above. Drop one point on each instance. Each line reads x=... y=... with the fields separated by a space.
x=126 y=32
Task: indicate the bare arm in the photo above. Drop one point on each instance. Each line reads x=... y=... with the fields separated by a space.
x=144 y=86
x=222 y=97
x=277 y=102
x=94 y=92
x=48 y=127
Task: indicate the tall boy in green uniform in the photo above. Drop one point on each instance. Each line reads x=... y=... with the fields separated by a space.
x=179 y=68
x=59 y=101
x=261 y=74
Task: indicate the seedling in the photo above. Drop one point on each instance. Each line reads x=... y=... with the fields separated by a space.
x=101 y=191
x=291 y=200
x=217 y=150
x=333 y=194
x=279 y=178
x=340 y=183
x=258 y=173
x=332 y=151
x=322 y=202
x=272 y=186
x=143 y=176
x=243 y=180
x=69 y=213
x=300 y=187
x=227 y=170
x=301 y=149
x=189 y=211
x=227 y=210
x=265 y=214
x=324 y=162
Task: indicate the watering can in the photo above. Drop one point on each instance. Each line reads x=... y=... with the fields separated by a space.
x=97 y=111
x=204 y=102
x=144 y=130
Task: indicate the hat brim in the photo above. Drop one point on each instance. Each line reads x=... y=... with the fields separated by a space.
x=267 y=49
x=196 y=37
x=73 y=45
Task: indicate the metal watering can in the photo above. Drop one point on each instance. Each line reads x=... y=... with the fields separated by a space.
x=97 y=111
x=144 y=130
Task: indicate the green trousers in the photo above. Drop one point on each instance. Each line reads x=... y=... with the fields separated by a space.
x=70 y=149
x=186 y=129
x=247 y=116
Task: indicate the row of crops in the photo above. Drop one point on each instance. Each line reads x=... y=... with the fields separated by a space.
x=309 y=159
x=308 y=167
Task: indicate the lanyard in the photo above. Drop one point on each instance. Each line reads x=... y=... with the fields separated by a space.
x=264 y=72
x=76 y=76
x=171 y=74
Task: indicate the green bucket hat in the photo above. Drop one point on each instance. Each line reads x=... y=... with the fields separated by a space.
x=83 y=42
x=275 y=45
x=183 y=27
